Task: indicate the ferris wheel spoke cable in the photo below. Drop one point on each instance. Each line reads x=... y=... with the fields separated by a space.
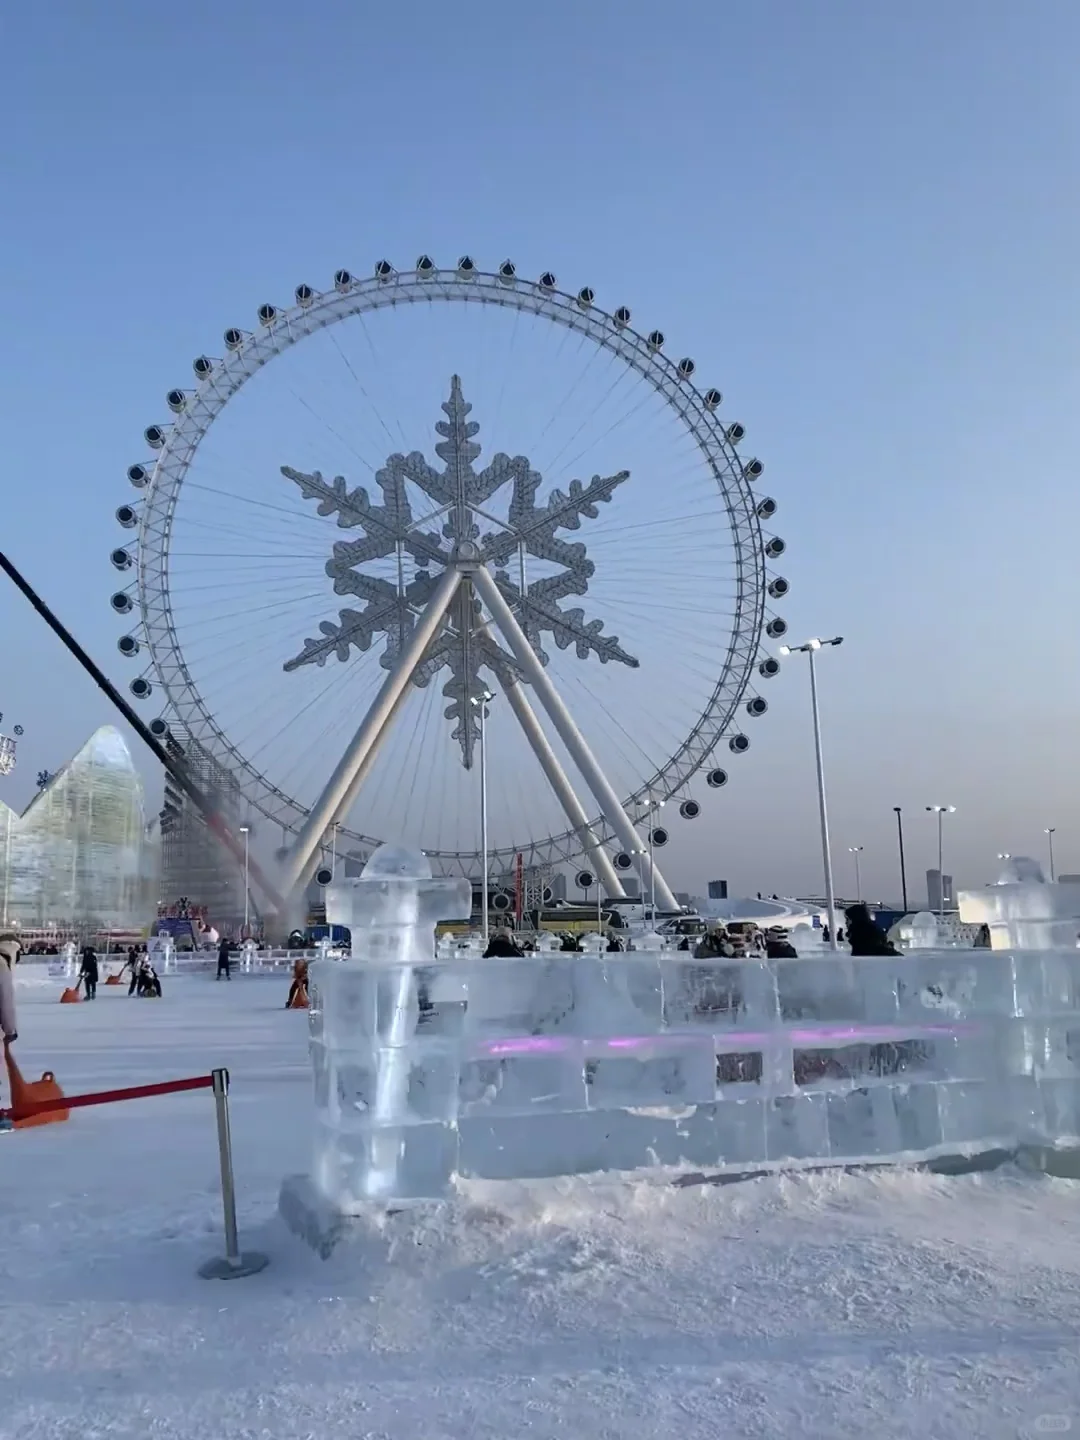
x=636 y=411
x=560 y=408
x=380 y=369
x=332 y=681
x=632 y=739
x=269 y=607
x=429 y=707
x=506 y=369
x=360 y=386
x=392 y=773
x=307 y=772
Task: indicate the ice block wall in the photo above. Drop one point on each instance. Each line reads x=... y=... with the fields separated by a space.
x=561 y=1063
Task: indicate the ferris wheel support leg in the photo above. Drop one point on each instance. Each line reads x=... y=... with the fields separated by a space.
x=572 y=738
x=564 y=791
x=350 y=770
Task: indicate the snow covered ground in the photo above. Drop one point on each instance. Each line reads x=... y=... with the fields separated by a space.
x=878 y=1304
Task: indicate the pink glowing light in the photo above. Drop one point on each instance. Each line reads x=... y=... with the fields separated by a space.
x=730 y=1041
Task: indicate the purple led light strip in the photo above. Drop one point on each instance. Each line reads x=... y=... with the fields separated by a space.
x=727 y=1042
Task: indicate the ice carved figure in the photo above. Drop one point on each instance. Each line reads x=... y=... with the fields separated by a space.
x=1023 y=912
x=385 y=1096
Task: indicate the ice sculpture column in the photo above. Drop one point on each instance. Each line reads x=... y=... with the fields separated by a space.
x=385 y=1096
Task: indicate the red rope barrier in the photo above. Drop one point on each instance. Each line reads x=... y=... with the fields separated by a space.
x=108 y=1097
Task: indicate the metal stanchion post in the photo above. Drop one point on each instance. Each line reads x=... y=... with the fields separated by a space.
x=234 y=1264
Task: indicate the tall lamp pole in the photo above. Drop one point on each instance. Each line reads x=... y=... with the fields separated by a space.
x=1050 y=837
x=857 y=850
x=810 y=649
x=481 y=701
x=941 y=811
x=903 y=867
x=651 y=852
x=245 y=830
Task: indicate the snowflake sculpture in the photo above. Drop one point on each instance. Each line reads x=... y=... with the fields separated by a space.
x=459 y=493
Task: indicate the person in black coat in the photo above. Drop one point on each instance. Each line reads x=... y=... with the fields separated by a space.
x=225 y=949
x=865 y=936
x=501 y=944
x=88 y=972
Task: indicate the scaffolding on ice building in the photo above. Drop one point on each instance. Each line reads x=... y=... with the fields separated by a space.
x=200 y=880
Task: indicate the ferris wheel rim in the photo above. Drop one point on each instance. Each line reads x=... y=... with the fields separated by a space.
x=281 y=329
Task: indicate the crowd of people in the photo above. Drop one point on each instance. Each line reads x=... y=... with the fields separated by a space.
x=144 y=979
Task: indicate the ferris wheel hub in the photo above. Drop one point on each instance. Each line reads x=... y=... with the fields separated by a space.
x=466 y=555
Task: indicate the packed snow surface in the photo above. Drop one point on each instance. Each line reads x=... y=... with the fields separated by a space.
x=882 y=1303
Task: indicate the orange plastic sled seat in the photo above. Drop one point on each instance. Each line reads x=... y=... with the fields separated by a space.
x=300 y=1000
x=70 y=996
x=113 y=980
x=32 y=1092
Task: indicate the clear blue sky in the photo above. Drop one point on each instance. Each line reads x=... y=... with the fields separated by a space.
x=861 y=220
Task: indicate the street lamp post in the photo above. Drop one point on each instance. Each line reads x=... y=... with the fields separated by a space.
x=1050 y=837
x=903 y=868
x=245 y=830
x=481 y=701
x=941 y=811
x=857 y=850
x=651 y=812
x=810 y=649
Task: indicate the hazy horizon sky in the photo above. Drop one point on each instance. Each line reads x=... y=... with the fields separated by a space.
x=861 y=221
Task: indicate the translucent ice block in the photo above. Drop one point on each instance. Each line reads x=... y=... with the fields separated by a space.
x=385 y=1097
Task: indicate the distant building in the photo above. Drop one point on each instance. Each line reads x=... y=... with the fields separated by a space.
x=557 y=886
x=718 y=890
x=939 y=891
x=682 y=897
x=1068 y=879
x=632 y=885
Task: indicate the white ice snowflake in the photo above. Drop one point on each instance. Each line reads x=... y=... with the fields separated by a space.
x=459 y=493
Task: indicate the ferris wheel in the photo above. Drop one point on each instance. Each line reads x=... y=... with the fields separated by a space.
x=252 y=517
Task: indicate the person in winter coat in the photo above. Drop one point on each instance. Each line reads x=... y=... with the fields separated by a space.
x=8 y=948
x=715 y=945
x=501 y=944
x=864 y=936
x=225 y=949
x=132 y=964
x=88 y=972
x=299 y=981
x=149 y=984
x=8 y=1027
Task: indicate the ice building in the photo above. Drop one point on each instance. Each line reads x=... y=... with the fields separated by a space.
x=79 y=858
x=197 y=872
x=1022 y=910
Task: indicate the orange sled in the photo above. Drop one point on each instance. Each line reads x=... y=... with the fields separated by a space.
x=300 y=1000
x=113 y=980
x=24 y=1093
x=70 y=995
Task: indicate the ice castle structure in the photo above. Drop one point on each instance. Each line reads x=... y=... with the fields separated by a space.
x=432 y=1066
x=1022 y=911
